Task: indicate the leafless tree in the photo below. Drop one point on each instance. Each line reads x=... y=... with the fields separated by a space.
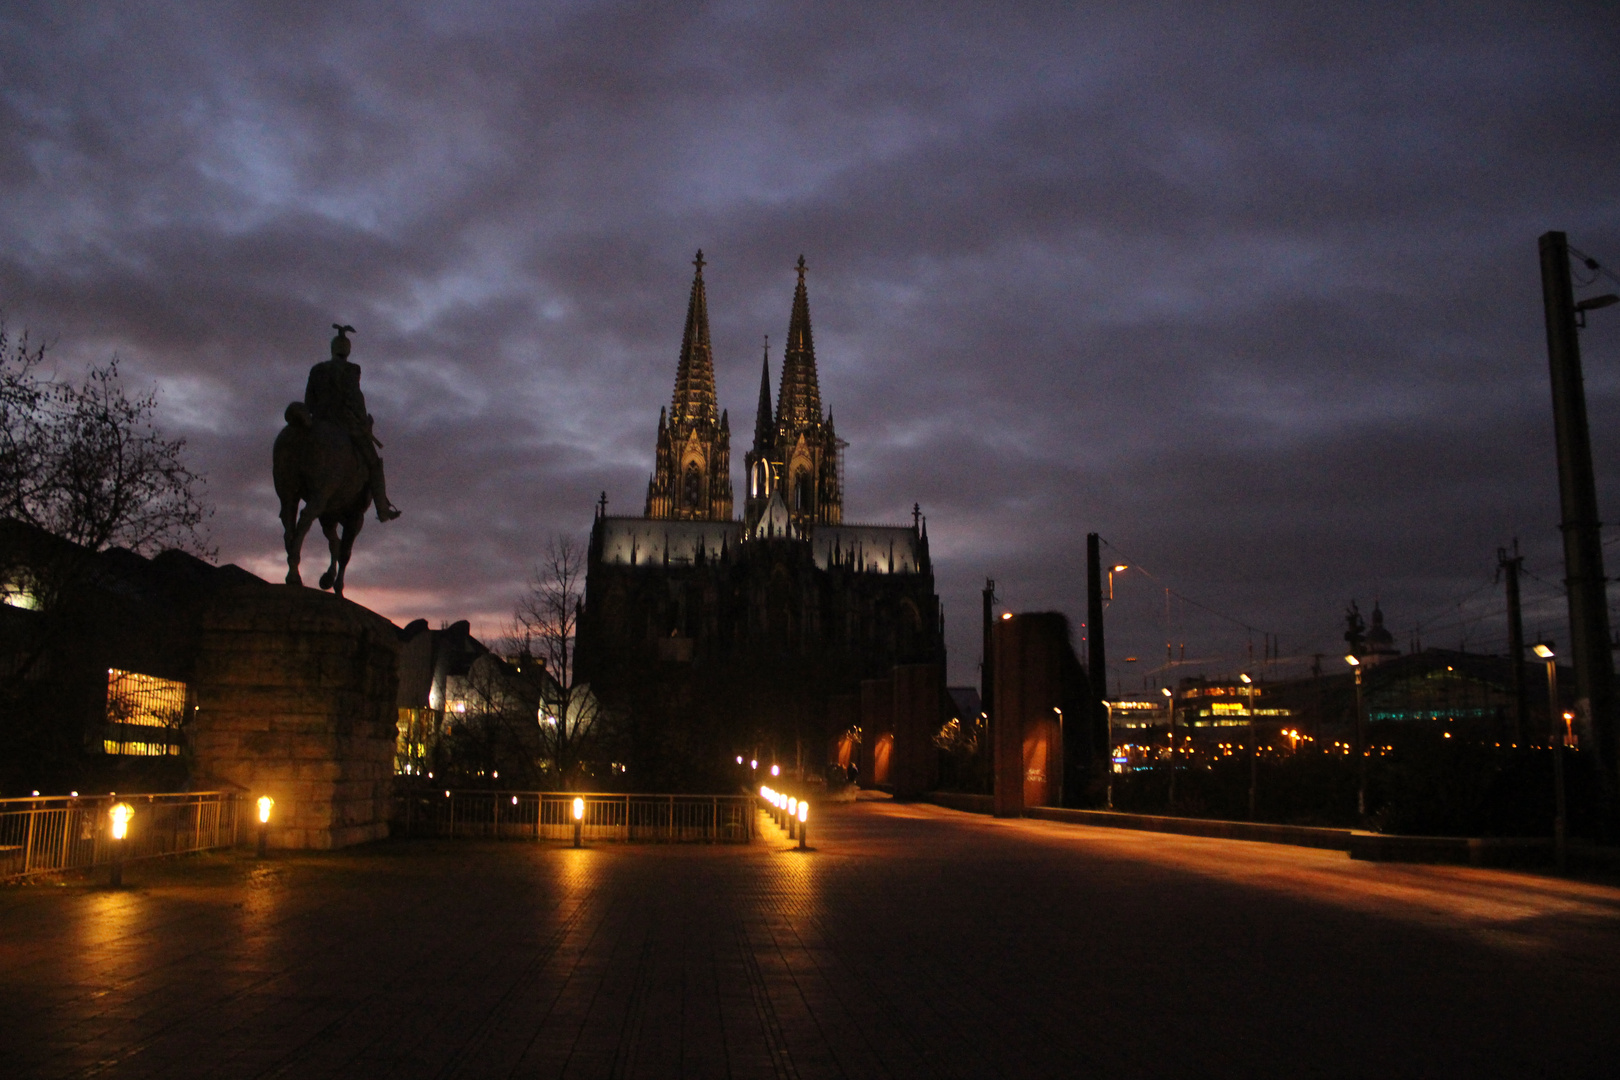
x=22 y=394
x=545 y=625
x=86 y=463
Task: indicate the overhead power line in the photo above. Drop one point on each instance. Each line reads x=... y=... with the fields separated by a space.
x=1182 y=597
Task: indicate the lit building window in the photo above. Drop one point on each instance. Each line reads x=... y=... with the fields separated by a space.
x=18 y=595
x=136 y=701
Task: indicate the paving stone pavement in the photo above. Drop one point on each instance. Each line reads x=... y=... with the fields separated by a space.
x=913 y=941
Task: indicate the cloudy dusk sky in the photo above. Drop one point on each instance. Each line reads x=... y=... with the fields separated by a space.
x=1252 y=293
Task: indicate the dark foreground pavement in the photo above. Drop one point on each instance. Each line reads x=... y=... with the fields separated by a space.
x=914 y=942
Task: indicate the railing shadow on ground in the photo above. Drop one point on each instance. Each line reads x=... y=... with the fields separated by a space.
x=48 y=835
x=549 y=815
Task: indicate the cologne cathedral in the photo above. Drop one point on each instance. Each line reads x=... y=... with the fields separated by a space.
x=721 y=637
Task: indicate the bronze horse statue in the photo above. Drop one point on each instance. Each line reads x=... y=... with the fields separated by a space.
x=316 y=463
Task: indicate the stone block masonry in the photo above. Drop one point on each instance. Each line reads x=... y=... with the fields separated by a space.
x=296 y=696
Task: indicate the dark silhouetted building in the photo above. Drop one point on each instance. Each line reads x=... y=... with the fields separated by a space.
x=719 y=636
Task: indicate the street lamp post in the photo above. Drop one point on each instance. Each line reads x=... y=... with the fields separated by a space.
x=1170 y=710
x=1108 y=712
x=1361 y=742
x=1555 y=743
x=1254 y=749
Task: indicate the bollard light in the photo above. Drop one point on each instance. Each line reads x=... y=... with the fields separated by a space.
x=579 y=819
x=792 y=818
x=265 y=803
x=120 y=814
x=804 y=822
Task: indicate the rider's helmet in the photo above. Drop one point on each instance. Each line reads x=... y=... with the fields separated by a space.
x=340 y=344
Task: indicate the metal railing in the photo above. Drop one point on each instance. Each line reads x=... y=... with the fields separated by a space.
x=549 y=815
x=44 y=835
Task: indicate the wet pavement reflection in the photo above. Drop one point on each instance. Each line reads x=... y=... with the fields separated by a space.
x=912 y=941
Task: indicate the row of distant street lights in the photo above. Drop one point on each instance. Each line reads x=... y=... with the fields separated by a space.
x=790 y=813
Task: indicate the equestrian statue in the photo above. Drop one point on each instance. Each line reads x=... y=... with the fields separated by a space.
x=326 y=459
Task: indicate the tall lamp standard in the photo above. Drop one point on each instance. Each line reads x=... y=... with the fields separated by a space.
x=1170 y=710
x=1108 y=712
x=1361 y=742
x=1254 y=749
x=1555 y=743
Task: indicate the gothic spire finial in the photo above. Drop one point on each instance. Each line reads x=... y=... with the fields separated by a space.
x=764 y=421
x=798 y=402
x=694 y=397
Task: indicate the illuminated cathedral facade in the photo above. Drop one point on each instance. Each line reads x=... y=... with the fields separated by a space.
x=730 y=632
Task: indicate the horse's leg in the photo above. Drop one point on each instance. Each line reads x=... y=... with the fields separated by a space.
x=351 y=528
x=289 y=522
x=295 y=542
x=329 y=526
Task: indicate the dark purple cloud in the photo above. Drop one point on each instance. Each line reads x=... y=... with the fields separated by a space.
x=1252 y=293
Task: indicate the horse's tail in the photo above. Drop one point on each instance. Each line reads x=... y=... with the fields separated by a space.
x=298 y=415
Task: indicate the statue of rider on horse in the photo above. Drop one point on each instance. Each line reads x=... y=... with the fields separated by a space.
x=326 y=459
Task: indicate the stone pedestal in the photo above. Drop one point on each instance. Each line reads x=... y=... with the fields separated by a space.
x=296 y=699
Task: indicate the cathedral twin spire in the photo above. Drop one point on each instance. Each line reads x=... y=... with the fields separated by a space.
x=694 y=377
x=799 y=402
x=692 y=470
x=795 y=453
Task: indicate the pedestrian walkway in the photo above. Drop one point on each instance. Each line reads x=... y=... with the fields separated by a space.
x=911 y=941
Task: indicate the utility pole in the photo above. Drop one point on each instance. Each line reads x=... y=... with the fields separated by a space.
x=1509 y=567
x=1097 y=658
x=1577 y=496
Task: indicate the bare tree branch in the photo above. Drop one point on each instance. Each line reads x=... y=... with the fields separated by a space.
x=545 y=625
